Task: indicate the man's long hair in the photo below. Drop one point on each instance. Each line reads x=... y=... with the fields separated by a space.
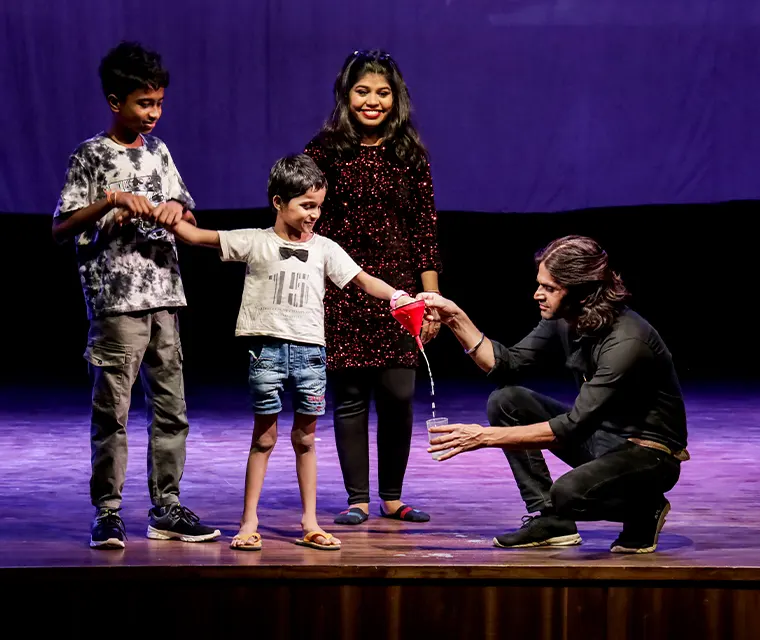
x=595 y=293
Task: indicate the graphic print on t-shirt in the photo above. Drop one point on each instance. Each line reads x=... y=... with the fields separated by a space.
x=150 y=187
x=285 y=282
x=298 y=288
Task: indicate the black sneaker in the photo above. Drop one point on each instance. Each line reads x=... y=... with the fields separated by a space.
x=178 y=523
x=540 y=531
x=107 y=530
x=641 y=536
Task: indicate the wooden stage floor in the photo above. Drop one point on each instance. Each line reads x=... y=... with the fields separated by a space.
x=390 y=579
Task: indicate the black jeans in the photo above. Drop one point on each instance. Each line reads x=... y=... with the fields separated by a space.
x=393 y=390
x=612 y=479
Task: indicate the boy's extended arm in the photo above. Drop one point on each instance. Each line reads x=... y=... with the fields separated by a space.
x=65 y=229
x=378 y=288
x=191 y=234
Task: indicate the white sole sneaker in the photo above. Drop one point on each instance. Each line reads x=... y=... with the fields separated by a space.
x=651 y=549
x=161 y=534
x=111 y=543
x=559 y=541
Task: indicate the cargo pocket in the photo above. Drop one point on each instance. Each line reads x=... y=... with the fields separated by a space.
x=108 y=363
x=181 y=371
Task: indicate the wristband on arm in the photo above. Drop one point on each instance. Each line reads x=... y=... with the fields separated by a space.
x=396 y=295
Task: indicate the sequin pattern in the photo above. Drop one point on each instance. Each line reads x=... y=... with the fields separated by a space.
x=383 y=214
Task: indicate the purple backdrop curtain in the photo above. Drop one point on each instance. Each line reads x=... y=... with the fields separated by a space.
x=526 y=105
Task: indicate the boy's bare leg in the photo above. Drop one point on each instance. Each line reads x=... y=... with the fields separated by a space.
x=302 y=437
x=262 y=442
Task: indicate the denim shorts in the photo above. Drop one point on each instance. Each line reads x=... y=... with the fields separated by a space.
x=276 y=364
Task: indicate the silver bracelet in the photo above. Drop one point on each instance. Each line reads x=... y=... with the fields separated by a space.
x=469 y=352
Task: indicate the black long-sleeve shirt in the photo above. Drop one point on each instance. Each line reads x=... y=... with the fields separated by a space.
x=627 y=381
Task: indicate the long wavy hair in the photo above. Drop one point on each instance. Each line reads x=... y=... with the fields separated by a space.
x=595 y=293
x=341 y=132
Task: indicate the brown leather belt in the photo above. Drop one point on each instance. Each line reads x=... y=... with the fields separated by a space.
x=681 y=455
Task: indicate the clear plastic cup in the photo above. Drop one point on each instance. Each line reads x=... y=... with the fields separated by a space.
x=436 y=422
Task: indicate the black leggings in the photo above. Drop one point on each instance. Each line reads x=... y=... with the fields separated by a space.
x=393 y=390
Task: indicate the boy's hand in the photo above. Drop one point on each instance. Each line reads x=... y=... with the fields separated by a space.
x=167 y=214
x=189 y=217
x=138 y=206
x=129 y=205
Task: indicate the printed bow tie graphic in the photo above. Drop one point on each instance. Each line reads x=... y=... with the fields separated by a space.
x=301 y=254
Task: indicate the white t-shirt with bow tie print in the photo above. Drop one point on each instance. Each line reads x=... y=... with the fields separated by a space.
x=284 y=285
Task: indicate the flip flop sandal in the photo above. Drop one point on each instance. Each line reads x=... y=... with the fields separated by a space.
x=308 y=541
x=354 y=515
x=251 y=542
x=407 y=514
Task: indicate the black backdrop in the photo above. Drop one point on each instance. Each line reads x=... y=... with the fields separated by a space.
x=691 y=270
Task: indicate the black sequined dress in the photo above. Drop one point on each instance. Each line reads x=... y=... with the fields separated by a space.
x=383 y=214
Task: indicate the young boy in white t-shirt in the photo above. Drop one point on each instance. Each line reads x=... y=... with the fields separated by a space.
x=282 y=308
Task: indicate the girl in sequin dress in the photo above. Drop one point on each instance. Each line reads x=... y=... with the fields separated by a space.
x=380 y=209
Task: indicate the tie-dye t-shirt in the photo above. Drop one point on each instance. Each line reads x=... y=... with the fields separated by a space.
x=129 y=267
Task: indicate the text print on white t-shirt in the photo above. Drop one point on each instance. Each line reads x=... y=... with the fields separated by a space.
x=298 y=289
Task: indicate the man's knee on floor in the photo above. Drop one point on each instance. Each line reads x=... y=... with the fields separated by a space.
x=502 y=403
